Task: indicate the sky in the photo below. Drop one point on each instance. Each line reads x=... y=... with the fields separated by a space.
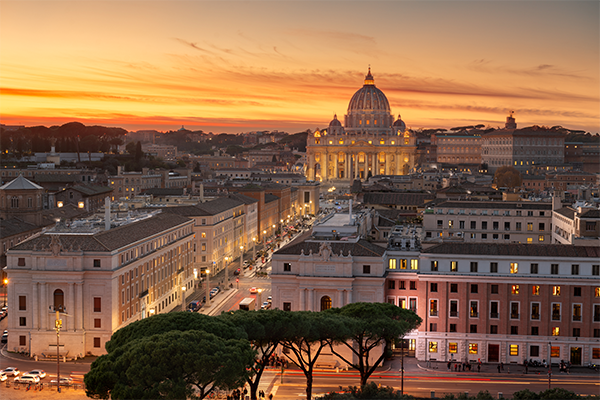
x=239 y=66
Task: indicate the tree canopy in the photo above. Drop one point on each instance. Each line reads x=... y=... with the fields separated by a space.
x=507 y=176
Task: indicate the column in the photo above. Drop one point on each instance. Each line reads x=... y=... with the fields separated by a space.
x=335 y=166
x=302 y=305
x=311 y=300
x=355 y=166
x=373 y=164
x=44 y=304
x=347 y=167
x=348 y=296
x=340 y=298
x=35 y=323
x=80 y=302
x=387 y=164
x=70 y=324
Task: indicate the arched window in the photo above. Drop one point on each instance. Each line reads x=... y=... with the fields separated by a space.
x=325 y=303
x=59 y=300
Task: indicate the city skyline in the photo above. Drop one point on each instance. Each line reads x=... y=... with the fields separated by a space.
x=241 y=66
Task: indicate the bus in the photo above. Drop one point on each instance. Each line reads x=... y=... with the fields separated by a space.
x=247 y=304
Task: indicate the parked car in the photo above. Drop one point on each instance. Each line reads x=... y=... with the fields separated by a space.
x=63 y=381
x=40 y=373
x=270 y=299
x=3 y=377
x=11 y=371
x=3 y=314
x=265 y=305
x=27 y=379
x=4 y=338
x=253 y=290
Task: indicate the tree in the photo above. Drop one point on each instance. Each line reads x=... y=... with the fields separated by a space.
x=138 y=152
x=305 y=334
x=507 y=177
x=171 y=365
x=366 y=328
x=265 y=330
x=130 y=148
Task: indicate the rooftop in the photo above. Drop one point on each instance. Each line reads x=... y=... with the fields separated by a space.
x=20 y=183
x=515 y=249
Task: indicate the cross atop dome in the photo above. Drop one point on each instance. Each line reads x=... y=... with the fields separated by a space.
x=369 y=78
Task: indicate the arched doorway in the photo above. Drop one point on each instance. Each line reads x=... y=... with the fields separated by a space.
x=325 y=303
x=59 y=300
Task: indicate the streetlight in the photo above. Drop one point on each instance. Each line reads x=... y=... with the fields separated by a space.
x=254 y=248
x=241 y=257
x=182 y=297
x=208 y=287
x=5 y=282
x=57 y=328
x=549 y=363
x=259 y=299
x=226 y=270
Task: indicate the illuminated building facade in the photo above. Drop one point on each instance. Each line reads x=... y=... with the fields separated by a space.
x=369 y=143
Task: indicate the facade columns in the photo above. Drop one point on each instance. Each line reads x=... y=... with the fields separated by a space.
x=35 y=323
x=311 y=300
x=43 y=302
x=335 y=166
x=71 y=307
x=324 y=167
x=373 y=163
x=347 y=167
x=340 y=298
x=302 y=305
x=80 y=302
x=348 y=296
x=355 y=164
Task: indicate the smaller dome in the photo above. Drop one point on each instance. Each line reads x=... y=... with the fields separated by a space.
x=335 y=121
x=400 y=123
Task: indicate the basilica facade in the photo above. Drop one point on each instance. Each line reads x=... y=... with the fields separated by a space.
x=369 y=143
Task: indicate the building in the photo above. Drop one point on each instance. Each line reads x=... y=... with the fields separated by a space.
x=21 y=198
x=163 y=151
x=87 y=197
x=488 y=221
x=369 y=143
x=522 y=148
x=576 y=225
x=457 y=147
x=100 y=276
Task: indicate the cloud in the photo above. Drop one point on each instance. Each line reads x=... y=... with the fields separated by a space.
x=541 y=70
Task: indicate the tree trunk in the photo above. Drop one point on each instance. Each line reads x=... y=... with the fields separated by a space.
x=253 y=388
x=363 y=378
x=309 y=380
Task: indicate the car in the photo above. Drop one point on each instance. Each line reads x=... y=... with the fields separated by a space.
x=11 y=371
x=270 y=299
x=237 y=271
x=4 y=338
x=3 y=377
x=27 y=379
x=265 y=305
x=40 y=373
x=253 y=290
x=64 y=381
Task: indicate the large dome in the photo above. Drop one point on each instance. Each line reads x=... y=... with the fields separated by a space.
x=368 y=99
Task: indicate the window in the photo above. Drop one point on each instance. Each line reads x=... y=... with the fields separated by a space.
x=473 y=348
x=597 y=332
x=555 y=290
x=514 y=310
x=530 y=226
x=534 y=351
x=366 y=269
x=453 y=288
x=473 y=225
x=514 y=349
x=453 y=266
x=21 y=262
x=22 y=321
x=529 y=240
x=413 y=285
x=555 y=311
x=515 y=289
x=22 y=340
x=474 y=313
x=414 y=264
x=434 y=265
x=534 y=269
x=450 y=224
x=433 y=287
x=474 y=288
x=555 y=331
x=577 y=291
x=402 y=263
x=554 y=269
x=576 y=312
x=287 y=306
x=514 y=330
x=325 y=303
x=97 y=263
x=597 y=292
x=576 y=332
x=575 y=269
x=484 y=235
x=287 y=267
x=507 y=226
x=555 y=351
x=453 y=347
x=473 y=266
x=596 y=270
x=535 y=331
x=472 y=328
x=392 y=263
x=495 y=225
x=596 y=312
x=518 y=227
x=535 y=311
x=514 y=268
x=454 y=308
x=596 y=352
x=96 y=342
x=59 y=300
x=391 y=284
x=97 y=323
x=22 y=303
x=412 y=304
x=433 y=308
x=493 y=267
x=535 y=290
x=494 y=289
x=97 y=304
x=433 y=346
x=493 y=329
x=401 y=285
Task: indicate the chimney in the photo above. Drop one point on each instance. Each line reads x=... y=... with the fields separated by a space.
x=350 y=211
x=106 y=213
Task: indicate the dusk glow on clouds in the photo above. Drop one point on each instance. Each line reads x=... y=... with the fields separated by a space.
x=227 y=66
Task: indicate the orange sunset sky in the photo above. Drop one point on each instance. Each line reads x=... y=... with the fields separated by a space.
x=228 y=66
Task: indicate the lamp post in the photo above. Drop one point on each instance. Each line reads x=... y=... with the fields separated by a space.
x=241 y=257
x=183 y=297
x=57 y=328
x=259 y=299
x=5 y=283
x=208 y=287
x=549 y=363
x=254 y=248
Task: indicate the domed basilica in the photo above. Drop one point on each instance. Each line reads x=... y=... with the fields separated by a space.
x=369 y=143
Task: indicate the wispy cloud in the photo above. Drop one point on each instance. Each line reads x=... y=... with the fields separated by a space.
x=540 y=70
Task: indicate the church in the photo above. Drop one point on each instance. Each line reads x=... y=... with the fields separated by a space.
x=369 y=143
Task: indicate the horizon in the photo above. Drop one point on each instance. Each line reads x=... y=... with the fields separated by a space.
x=235 y=67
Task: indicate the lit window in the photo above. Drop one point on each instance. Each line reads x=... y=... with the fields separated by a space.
x=414 y=264
x=556 y=290
x=472 y=348
x=403 y=263
x=453 y=266
x=529 y=240
x=433 y=346
x=514 y=349
x=514 y=268
x=80 y=204
x=555 y=351
x=541 y=238
x=515 y=289
x=597 y=292
x=453 y=347
x=535 y=290
x=392 y=263
x=556 y=331
x=59 y=204
x=203 y=234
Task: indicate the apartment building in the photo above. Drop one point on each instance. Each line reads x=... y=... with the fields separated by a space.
x=100 y=276
x=579 y=226
x=457 y=147
x=488 y=221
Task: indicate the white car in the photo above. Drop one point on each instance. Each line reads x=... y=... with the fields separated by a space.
x=40 y=373
x=11 y=371
x=63 y=381
x=27 y=379
x=3 y=377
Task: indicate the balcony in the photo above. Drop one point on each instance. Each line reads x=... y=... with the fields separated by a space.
x=576 y=317
x=596 y=318
x=454 y=313
x=433 y=313
x=555 y=317
x=474 y=314
x=514 y=315
x=535 y=316
x=494 y=315
x=144 y=293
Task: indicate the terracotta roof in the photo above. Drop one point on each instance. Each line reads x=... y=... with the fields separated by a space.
x=112 y=239
x=362 y=248
x=219 y=205
x=515 y=249
x=163 y=191
x=58 y=178
x=270 y=197
x=243 y=198
x=397 y=198
x=20 y=183
x=90 y=190
x=590 y=214
x=69 y=211
x=513 y=205
x=566 y=212
x=15 y=226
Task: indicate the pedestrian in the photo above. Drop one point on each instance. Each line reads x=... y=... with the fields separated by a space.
x=449 y=365
x=502 y=366
x=498 y=368
x=478 y=367
x=270 y=396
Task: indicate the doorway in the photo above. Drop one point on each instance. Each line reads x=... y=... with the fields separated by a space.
x=493 y=352
x=576 y=355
